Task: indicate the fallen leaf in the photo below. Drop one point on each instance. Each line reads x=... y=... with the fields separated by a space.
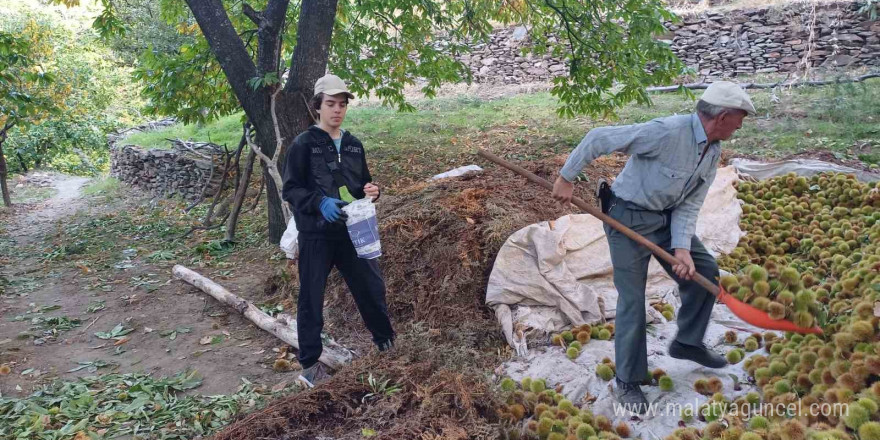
x=470 y=220
x=279 y=387
x=122 y=341
x=259 y=352
x=206 y=340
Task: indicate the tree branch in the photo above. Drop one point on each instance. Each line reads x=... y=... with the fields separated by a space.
x=314 y=33
x=253 y=14
x=230 y=52
x=269 y=35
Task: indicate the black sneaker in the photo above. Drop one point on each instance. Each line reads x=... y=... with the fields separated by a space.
x=630 y=396
x=385 y=346
x=697 y=353
x=314 y=375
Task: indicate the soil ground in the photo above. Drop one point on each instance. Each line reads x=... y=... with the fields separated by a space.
x=237 y=349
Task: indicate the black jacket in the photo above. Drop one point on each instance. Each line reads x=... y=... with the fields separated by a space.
x=307 y=179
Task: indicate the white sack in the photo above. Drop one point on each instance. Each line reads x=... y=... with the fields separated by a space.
x=553 y=275
x=288 y=242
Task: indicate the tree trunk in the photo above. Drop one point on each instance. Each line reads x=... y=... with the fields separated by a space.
x=308 y=63
x=3 y=170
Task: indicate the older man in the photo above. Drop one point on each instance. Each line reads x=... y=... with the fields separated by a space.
x=659 y=194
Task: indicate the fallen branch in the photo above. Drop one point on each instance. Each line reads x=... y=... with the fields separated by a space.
x=240 y=194
x=272 y=164
x=696 y=86
x=332 y=357
x=210 y=214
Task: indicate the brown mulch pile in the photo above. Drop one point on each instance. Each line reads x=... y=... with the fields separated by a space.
x=439 y=242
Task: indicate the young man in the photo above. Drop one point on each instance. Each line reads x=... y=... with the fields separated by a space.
x=325 y=169
x=659 y=194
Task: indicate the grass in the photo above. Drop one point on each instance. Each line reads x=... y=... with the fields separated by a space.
x=225 y=130
x=444 y=133
x=104 y=186
x=30 y=194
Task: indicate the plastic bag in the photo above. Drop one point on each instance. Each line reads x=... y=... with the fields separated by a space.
x=363 y=228
x=288 y=242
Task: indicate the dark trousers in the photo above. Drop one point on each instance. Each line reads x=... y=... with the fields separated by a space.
x=364 y=280
x=630 y=261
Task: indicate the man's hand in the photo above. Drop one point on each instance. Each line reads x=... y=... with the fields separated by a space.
x=371 y=191
x=686 y=269
x=562 y=191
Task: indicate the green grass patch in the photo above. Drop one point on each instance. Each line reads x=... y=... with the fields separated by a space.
x=31 y=194
x=104 y=186
x=223 y=131
x=444 y=133
x=133 y=230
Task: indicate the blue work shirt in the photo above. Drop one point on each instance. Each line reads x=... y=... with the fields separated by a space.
x=664 y=171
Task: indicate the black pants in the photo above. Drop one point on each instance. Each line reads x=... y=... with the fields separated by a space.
x=364 y=279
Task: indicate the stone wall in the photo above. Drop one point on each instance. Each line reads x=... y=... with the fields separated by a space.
x=716 y=44
x=165 y=173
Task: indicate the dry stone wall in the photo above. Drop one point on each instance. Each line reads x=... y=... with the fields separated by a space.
x=164 y=173
x=716 y=44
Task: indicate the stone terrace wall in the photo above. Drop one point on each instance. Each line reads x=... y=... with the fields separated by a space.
x=715 y=44
x=164 y=173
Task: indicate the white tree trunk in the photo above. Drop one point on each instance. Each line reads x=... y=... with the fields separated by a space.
x=334 y=357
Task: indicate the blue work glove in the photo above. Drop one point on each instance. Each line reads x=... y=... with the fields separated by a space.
x=331 y=209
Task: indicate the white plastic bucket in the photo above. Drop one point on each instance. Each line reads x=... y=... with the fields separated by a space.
x=363 y=228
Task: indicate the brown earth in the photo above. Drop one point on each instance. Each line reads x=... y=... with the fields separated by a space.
x=243 y=351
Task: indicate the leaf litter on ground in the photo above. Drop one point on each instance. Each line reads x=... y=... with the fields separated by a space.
x=172 y=334
x=116 y=333
x=114 y=405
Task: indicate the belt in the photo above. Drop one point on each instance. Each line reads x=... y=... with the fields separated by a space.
x=615 y=200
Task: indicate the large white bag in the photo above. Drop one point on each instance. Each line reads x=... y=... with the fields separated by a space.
x=289 y=242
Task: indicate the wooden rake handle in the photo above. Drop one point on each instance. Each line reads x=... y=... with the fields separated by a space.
x=635 y=236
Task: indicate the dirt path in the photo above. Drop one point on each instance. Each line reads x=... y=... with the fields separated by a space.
x=174 y=327
x=31 y=226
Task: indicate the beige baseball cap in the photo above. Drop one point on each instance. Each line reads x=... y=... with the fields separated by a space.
x=330 y=84
x=729 y=95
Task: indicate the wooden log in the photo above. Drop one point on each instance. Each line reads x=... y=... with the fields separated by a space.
x=334 y=357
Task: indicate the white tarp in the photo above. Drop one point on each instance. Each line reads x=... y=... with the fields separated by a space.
x=579 y=381
x=577 y=245
x=801 y=167
x=552 y=275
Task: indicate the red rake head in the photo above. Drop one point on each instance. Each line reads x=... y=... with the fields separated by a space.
x=760 y=318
